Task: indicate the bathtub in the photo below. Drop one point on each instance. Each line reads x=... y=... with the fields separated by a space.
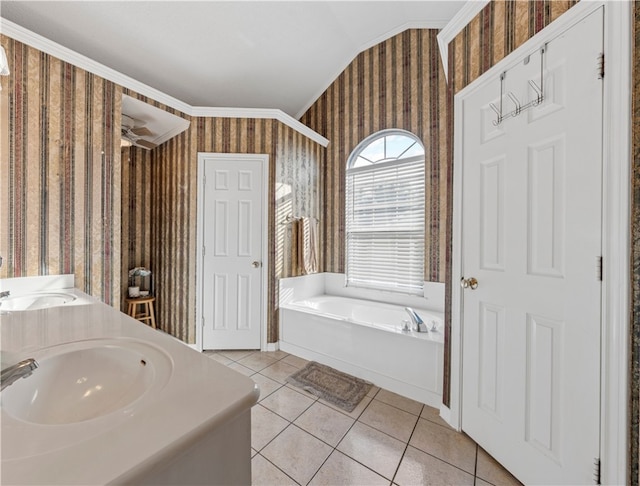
x=365 y=339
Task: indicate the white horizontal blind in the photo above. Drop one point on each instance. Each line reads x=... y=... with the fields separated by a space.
x=385 y=225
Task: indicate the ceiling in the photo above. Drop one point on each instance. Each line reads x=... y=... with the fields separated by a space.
x=240 y=54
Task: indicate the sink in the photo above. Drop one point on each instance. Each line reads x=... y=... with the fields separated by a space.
x=82 y=381
x=36 y=300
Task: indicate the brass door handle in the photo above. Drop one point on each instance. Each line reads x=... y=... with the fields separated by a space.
x=469 y=283
x=255 y=264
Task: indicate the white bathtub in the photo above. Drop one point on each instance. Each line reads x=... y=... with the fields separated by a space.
x=366 y=339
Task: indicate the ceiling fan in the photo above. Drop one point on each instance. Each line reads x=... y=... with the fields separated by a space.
x=133 y=130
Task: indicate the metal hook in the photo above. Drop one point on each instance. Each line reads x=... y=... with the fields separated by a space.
x=538 y=91
x=518 y=109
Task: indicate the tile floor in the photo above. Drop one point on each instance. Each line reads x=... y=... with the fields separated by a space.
x=297 y=438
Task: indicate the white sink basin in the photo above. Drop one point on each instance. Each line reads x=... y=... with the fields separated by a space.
x=82 y=381
x=34 y=301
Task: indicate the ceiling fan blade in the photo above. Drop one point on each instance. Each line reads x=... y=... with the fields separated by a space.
x=141 y=131
x=145 y=144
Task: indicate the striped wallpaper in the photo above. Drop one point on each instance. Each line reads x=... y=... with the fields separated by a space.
x=500 y=28
x=634 y=352
x=76 y=204
x=60 y=166
x=136 y=244
x=170 y=192
x=398 y=83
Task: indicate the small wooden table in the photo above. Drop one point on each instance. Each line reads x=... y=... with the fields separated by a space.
x=146 y=315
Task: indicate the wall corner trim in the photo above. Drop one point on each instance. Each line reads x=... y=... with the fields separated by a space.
x=19 y=33
x=455 y=25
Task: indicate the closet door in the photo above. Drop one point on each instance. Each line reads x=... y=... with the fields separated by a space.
x=232 y=270
x=532 y=232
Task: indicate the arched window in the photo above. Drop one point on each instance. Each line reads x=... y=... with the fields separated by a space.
x=385 y=213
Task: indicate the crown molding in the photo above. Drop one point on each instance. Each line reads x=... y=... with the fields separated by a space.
x=268 y=113
x=43 y=44
x=455 y=25
x=47 y=46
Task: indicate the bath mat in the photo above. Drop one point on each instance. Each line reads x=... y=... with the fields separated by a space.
x=338 y=388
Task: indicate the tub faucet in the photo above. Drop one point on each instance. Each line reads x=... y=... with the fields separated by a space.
x=19 y=370
x=416 y=320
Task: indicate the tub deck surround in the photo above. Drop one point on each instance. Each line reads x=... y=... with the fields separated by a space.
x=164 y=437
x=363 y=337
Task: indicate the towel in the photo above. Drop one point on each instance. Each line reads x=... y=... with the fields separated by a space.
x=308 y=241
x=294 y=228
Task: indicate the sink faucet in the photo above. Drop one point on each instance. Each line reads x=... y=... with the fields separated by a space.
x=416 y=320
x=3 y=296
x=19 y=370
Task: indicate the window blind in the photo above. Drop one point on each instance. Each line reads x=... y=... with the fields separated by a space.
x=385 y=225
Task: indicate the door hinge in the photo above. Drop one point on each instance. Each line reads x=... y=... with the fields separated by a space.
x=202 y=321
x=204 y=250
x=596 y=471
x=601 y=65
x=599 y=268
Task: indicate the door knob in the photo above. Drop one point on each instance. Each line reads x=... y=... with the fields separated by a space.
x=255 y=264
x=469 y=283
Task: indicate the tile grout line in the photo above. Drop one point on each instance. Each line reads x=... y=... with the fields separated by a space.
x=355 y=419
x=276 y=466
x=406 y=447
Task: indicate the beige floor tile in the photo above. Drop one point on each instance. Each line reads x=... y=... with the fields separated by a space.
x=390 y=420
x=420 y=468
x=297 y=453
x=480 y=482
x=398 y=401
x=446 y=444
x=433 y=415
x=242 y=369
x=277 y=354
x=374 y=449
x=220 y=358
x=263 y=473
x=257 y=361
x=253 y=452
x=265 y=425
x=492 y=471
x=236 y=354
x=279 y=371
x=356 y=412
x=287 y=403
x=342 y=470
x=325 y=423
x=295 y=361
x=267 y=385
x=373 y=392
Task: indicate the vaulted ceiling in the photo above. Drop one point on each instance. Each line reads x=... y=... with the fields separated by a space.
x=240 y=54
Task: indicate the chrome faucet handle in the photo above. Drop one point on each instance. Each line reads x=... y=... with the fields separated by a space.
x=19 y=370
x=4 y=294
x=418 y=323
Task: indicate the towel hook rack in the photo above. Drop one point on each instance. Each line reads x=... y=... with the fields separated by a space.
x=519 y=108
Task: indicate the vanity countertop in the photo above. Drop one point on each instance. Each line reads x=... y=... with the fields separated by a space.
x=194 y=395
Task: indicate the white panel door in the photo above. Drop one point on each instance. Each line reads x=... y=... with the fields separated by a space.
x=232 y=266
x=532 y=239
